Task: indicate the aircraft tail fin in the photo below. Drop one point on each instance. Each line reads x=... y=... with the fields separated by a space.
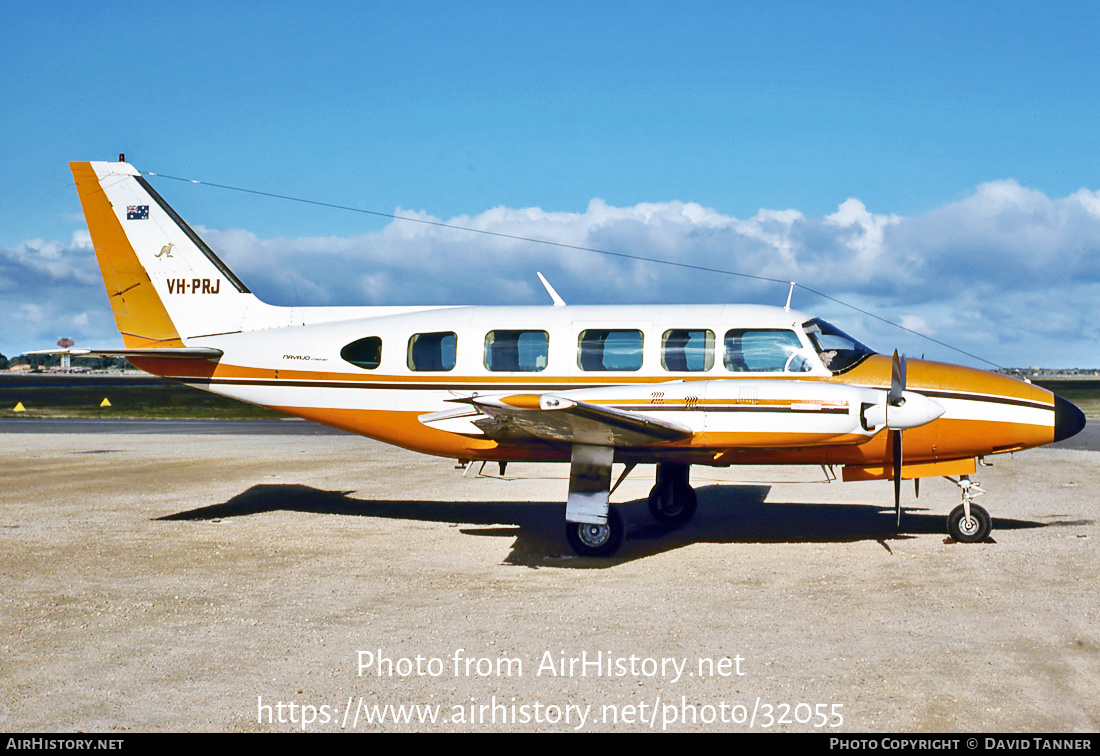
x=164 y=283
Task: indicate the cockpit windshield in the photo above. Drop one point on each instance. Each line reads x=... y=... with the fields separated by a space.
x=838 y=350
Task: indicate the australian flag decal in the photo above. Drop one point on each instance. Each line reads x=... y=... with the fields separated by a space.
x=137 y=212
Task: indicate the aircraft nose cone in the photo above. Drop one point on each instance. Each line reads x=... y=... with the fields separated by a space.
x=1068 y=419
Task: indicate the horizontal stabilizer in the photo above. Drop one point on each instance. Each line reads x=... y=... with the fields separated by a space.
x=179 y=353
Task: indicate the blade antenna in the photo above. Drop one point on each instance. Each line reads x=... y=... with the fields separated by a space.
x=558 y=301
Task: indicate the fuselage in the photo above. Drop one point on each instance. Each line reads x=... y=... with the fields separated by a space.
x=703 y=366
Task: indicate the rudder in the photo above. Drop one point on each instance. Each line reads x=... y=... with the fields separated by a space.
x=164 y=283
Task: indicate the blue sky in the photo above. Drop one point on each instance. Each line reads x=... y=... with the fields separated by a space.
x=935 y=162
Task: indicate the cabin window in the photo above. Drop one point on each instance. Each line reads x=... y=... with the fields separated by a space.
x=687 y=350
x=606 y=349
x=837 y=350
x=516 y=351
x=764 y=351
x=432 y=351
x=364 y=353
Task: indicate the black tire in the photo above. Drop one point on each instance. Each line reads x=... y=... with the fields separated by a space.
x=978 y=529
x=672 y=505
x=596 y=540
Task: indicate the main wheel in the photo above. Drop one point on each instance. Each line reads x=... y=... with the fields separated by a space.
x=672 y=500
x=596 y=540
x=977 y=528
x=672 y=503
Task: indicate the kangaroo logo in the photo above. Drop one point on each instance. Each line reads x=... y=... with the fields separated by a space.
x=166 y=250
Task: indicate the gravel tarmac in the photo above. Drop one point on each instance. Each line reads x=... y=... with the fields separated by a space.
x=324 y=583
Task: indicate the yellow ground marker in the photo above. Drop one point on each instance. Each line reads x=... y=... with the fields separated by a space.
x=19 y=407
x=105 y=403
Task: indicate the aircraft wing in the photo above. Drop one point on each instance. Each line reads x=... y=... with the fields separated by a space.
x=553 y=418
x=732 y=413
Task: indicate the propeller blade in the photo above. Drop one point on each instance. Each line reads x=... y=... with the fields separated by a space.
x=897 y=380
x=916 y=488
x=896 y=453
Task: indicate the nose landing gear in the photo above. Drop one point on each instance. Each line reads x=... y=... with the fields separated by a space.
x=968 y=522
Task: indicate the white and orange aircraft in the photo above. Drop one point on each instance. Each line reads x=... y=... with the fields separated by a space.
x=673 y=386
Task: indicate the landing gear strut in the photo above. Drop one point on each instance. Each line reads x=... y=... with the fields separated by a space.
x=672 y=500
x=592 y=527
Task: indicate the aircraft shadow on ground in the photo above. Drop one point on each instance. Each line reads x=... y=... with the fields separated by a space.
x=726 y=514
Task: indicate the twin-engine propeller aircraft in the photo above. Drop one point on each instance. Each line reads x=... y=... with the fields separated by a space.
x=673 y=386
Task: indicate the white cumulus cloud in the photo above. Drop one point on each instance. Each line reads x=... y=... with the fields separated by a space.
x=1006 y=273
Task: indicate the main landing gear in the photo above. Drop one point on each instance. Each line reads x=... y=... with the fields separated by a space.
x=591 y=540
x=672 y=502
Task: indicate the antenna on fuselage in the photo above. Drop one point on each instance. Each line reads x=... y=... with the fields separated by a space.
x=558 y=301
x=790 y=293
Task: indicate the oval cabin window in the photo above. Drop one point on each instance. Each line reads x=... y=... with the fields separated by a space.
x=364 y=353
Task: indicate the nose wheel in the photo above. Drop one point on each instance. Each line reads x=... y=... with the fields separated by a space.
x=970 y=528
